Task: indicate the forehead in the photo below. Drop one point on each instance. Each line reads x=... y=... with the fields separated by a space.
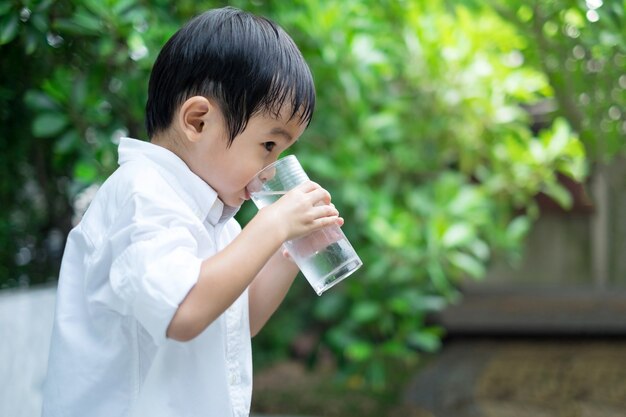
x=282 y=123
x=285 y=110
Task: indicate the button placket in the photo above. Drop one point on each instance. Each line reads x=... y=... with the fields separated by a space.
x=233 y=350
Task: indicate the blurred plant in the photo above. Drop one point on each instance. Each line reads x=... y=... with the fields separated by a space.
x=420 y=134
x=74 y=77
x=581 y=47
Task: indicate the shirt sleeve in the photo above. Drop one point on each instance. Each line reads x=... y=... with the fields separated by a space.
x=155 y=262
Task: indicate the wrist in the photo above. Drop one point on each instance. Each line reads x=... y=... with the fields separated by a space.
x=271 y=225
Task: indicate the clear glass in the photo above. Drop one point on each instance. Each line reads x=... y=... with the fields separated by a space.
x=325 y=257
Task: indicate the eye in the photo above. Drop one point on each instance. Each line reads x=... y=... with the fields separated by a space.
x=269 y=146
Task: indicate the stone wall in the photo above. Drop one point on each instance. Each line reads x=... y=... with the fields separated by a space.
x=582 y=248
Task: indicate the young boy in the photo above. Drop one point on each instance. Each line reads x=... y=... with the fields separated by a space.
x=160 y=290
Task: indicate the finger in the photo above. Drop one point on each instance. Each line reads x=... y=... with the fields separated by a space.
x=308 y=186
x=327 y=210
x=322 y=222
x=319 y=195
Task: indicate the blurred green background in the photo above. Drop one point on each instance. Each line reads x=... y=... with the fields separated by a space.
x=438 y=125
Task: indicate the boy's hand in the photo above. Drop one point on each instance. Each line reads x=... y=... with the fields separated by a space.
x=302 y=210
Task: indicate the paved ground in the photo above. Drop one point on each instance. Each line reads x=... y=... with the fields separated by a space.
x=524 y=378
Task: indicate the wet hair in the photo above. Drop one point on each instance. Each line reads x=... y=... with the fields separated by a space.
x=245 y=63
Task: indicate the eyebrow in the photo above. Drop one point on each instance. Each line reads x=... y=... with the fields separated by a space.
x=281 y=132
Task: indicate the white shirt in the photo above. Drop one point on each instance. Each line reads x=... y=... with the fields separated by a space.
x=127 y=266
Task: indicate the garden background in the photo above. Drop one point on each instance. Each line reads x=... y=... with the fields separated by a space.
x=439 y=129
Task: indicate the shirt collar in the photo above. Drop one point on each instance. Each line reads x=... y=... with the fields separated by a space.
x=192 y=189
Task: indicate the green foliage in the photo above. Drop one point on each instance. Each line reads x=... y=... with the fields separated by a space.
x=581 y=47
x=421 y=134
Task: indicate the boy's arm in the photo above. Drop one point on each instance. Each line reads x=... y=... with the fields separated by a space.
x=225 y=275
x=269 y=289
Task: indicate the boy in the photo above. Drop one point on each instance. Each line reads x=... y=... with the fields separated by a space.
x=160 y=290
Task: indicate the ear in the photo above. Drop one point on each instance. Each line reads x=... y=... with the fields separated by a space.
x=193 y=115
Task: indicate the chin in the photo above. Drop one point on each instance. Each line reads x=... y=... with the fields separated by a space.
x=235 y=202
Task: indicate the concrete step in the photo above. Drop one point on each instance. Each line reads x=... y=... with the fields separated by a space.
x=537 y=311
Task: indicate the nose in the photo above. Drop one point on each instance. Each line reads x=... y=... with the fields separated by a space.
x=256 y=183
x=267 y=174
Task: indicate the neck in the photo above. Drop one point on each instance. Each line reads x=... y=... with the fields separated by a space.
x=172 y=142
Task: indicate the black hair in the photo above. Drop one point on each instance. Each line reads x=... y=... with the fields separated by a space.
x=246 y=63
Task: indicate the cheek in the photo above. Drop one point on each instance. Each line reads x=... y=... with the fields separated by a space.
x=236 y=177
x=246 y=175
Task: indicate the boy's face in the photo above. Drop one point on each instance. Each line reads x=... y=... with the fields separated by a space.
x=228 y=170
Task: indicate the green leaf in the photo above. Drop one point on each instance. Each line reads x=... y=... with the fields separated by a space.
x=394 y=348
x=387 y=233
x=425 y=340
x=359 y=351
x=330 y=306
x=44 y=5
x=85 y=171
x=480 y=249
x=457 y=235
x=32 y=39
x=400 y=305
x=98 y=7
x=39 y=21
x=5 y=6
x=467 y=263
x=558 y=138
x=339 y=337
x=438 y=277
x=67 y=143
x=8 y=28
x=518 y=228
x=467 y=198
x=560 y=194
x=69 y=27
x=82 y=23
x=429 y=302
x=79 y=92
x=49 y=124
x=89 y=22
x=122 y=7
x=365 y=311
x=38 y=101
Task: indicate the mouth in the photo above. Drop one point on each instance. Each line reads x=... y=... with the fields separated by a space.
x=247 y=195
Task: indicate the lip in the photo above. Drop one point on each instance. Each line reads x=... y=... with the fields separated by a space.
x=247 y=195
